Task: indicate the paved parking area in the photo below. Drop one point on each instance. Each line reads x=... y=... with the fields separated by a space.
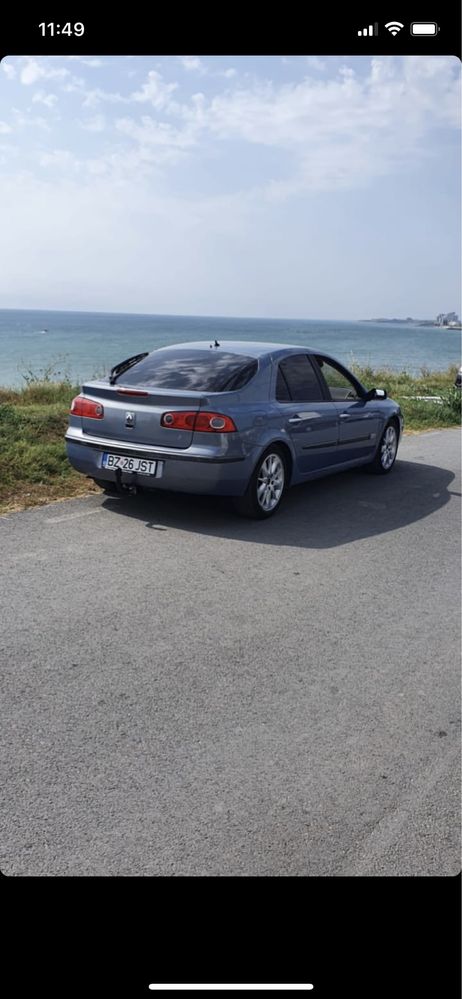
x=187 y=693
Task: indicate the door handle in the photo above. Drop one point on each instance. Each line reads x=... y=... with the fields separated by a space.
x=364 y=416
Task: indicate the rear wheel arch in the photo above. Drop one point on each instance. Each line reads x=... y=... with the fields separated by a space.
x=253 y=502
x=289 y=461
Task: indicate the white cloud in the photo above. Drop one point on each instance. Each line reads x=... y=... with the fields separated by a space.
x=342 y=131
x=4 y=128
x=31 y=73
x=142 y=241
x=63 y=159
x=157 y=142
x=27 y=121
x=155 y=91
x=192 y=63
x=331 y=133
x=93 y=63
x=149 y=132
x=196 y=65
x=97 y=96
x=314 y=62
x=335 y=133
x=34 y=70
x=95 y=124
x=40 y=97
x=9 y=70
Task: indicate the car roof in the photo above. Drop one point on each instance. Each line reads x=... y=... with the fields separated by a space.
x=252 y=348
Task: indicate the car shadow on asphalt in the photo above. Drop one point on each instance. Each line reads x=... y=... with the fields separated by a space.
x=323 y=513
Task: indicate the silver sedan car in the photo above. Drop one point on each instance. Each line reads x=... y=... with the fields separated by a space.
x=233 y=418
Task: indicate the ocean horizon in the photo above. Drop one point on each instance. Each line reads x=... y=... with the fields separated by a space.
x=82 y=344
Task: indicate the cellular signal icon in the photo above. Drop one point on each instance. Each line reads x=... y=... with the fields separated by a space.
x=372 y=29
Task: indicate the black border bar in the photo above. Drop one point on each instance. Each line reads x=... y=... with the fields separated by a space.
x=232 y=30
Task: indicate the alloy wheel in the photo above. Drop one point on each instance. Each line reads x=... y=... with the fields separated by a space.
x=270 y=482
x=389 y=447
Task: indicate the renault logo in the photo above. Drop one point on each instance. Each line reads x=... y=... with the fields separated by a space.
x=130 y=419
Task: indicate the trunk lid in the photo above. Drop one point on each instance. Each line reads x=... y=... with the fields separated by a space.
x=136 y=418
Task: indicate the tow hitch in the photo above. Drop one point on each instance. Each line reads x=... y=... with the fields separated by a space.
x=126 y=487
x=132 y=486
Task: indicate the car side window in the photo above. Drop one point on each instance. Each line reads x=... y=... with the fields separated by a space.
x=340 y=386
x=297 y=380
x=282 y=388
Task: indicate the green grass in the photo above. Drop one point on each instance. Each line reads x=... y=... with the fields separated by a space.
x=401 y=386
x=33 y=464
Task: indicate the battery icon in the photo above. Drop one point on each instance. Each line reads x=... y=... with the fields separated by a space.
x=424 y=28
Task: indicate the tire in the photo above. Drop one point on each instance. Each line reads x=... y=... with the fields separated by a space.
x=259 y=502
x=385 y=456
x=109 y=487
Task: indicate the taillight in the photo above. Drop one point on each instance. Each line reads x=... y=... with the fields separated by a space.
x=214 y=423
x=81 y=406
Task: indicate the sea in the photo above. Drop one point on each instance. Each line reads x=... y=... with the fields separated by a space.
x=83 y=345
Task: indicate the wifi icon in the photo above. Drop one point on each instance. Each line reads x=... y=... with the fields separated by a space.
x=394 y=26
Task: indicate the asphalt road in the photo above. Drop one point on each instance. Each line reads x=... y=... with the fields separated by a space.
x=187 y=693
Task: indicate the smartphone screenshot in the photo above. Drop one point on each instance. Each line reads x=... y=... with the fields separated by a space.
x=230 y=398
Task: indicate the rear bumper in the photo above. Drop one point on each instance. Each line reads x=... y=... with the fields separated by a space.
x=177 y=471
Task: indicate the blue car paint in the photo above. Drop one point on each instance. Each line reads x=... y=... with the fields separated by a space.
x=328 y=436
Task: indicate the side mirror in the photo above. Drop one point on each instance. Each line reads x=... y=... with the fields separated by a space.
x=376 y=393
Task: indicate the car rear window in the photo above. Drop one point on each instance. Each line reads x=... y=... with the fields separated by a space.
x=196 y=370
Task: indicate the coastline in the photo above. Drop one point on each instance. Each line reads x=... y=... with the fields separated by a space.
x=34 y=469
x=81 y=345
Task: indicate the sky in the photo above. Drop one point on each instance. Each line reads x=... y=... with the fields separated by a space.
x=292 y=187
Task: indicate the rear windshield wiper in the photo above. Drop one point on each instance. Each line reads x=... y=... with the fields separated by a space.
x=119 y=369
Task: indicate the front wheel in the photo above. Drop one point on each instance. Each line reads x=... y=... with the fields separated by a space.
x=266 y=486
x=386 y=452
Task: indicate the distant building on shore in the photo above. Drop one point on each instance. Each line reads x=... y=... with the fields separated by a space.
x=447 y=319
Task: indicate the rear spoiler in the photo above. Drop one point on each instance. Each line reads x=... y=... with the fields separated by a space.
x=119 y=369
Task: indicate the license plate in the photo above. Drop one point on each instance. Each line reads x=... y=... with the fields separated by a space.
x=141 y=465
